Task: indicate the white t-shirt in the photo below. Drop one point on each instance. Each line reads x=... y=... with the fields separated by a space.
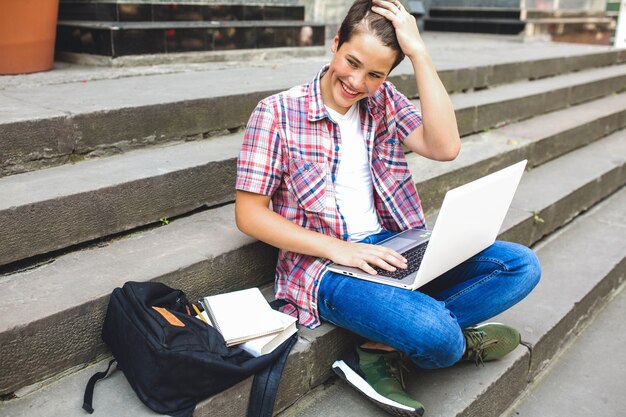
x=354 y=189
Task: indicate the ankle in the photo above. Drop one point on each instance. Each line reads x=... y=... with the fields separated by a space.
x=375 y=346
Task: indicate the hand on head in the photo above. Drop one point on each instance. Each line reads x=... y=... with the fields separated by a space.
x=404 y=23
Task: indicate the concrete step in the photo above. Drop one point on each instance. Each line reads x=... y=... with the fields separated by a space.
x=128 y=11
x=583 y=265
x=475 y=12
x=517 y=101
x=589 y=376
x=48 y=329
x=106 y=196
x=506 y=26
x=138 y=188
x=571 y=289
x=115 y=39
x=85 y=117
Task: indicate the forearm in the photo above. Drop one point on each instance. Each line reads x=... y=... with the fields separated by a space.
x=254 y=218
x=440 y=131
x=267 y=226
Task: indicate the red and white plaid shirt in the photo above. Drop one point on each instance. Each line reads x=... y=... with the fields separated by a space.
x=291 y=151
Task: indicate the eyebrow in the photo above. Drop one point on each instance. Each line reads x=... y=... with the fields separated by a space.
x=381 y=73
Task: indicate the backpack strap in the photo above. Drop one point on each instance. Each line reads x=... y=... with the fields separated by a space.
x=265 y=383
x=88 y=398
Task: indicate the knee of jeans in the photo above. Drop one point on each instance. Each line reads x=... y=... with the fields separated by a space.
x=443 y=349
x=530 y=269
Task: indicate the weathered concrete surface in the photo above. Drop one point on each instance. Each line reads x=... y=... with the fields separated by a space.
x=465 y=390
x=105 y=196
x=81 y=202
x=589 y=378
x=205 y=254
x=567 y=282
x=539 y=140
x=521 y=100
x=47 y=327
x=98 y=111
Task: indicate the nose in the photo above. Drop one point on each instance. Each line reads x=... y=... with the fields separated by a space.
x=358 y=81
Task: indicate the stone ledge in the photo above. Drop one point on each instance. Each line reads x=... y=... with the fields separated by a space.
x=205 y=254
x=552 y=314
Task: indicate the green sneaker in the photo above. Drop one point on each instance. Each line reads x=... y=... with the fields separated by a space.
x=378 y=376
x=489 y=341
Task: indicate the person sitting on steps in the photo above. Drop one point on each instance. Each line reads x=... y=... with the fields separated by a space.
x=328 y=156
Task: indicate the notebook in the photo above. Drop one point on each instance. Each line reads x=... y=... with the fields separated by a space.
x=242 y=315
x=468 y=222
x=266 y=344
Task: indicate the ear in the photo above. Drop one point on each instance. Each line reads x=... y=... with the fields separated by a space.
x=334 y=46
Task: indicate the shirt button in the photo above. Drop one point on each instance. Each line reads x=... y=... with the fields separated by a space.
x=333 y=178
x=307 y=165
x=337 y=147
x=345 y=236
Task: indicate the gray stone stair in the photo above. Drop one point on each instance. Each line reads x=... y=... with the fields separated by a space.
x=205 y=254
x=102 y=197
x=97 y=222
x=83 y=119
x=589 y=376
x=580 y=270
x=583 y=266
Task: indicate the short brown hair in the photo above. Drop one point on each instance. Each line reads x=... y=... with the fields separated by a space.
x=361 y=19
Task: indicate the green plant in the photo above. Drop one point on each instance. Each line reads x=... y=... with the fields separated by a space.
x=536 y=218
x=164 y=221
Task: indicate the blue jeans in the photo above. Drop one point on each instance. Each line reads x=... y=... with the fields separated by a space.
x=427 y=324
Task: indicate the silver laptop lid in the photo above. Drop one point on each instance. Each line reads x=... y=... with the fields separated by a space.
x=469 y=221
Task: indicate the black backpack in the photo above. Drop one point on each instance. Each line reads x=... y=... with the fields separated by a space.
x=173 y=360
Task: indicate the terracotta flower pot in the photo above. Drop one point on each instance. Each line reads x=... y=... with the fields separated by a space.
x=27 y=33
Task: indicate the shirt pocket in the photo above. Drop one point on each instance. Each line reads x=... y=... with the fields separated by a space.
x=391 y=157
x=308 y=184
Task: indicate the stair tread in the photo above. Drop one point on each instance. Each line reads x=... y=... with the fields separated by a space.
x=144 y=180
x=167 y=181
x=209 y=236
x=37 y=186
x=106 y=95
x=530 y=88
x=116 y=25
x=567 y=282
x=196 y=238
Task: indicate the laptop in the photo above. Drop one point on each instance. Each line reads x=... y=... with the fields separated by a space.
x=468 y=222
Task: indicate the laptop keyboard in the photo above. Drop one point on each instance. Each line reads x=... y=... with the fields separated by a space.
x=414 y=260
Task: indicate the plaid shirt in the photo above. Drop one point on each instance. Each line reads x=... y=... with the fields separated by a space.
x=291 y=151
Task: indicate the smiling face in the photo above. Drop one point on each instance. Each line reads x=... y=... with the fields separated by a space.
x=357 y=70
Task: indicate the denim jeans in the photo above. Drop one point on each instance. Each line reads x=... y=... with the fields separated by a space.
x=427 y=324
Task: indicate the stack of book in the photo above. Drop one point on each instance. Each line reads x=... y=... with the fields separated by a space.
x=245 y=318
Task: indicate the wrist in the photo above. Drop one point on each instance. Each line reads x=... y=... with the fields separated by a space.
x=331 y=247
x=418 y=55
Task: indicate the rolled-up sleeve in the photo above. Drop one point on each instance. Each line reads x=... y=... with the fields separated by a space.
x=407 y=117
x=259 y=167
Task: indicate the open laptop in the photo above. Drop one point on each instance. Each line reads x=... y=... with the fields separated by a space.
x=468 y=222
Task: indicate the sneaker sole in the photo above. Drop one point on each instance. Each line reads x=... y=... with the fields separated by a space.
x=352 y=378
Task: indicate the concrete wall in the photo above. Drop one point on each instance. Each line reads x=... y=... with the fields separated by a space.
x=329 y=12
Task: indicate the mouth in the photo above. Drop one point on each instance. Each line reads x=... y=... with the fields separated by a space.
x=348 y=91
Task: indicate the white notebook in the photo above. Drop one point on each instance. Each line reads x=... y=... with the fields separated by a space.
x=242 y=315
x=266 y=344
